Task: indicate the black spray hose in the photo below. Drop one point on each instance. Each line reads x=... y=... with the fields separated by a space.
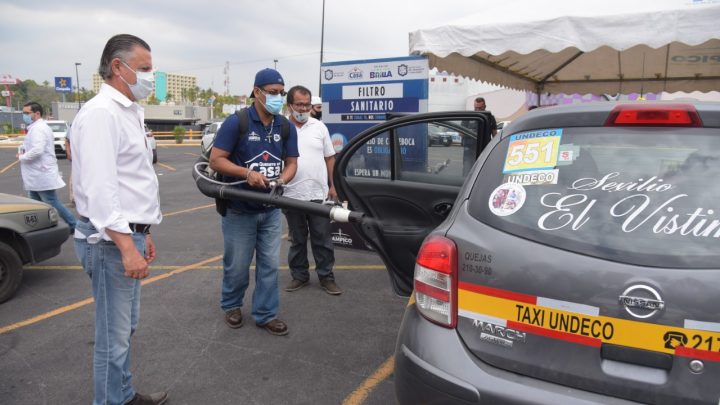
x=215 y=189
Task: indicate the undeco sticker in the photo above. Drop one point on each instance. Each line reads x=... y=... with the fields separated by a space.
x=534 y=150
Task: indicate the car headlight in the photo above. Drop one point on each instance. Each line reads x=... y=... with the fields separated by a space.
x=53 y=215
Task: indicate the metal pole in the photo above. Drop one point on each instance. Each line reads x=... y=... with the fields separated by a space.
x=322 y=40
x=275 y=60
x=77 y=84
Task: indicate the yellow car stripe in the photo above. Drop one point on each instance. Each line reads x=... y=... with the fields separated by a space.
x=593 y=330
x=10 y=208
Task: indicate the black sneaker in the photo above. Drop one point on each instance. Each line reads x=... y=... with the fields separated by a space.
x=234 y=318
x=330 y=287
x=157 y=398
x=295 y=285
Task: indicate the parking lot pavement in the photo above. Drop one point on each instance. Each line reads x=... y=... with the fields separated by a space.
x=338 y=350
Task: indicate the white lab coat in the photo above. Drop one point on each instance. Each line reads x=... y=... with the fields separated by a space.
x=38 y=163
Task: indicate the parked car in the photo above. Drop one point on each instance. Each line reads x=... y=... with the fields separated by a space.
x=60 y=129
x=575 y=262
x=208 y=136
x=29 y=233
x=438 y=135
x=152 y=142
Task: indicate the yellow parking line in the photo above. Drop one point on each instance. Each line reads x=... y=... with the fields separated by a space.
x=166 y=166
x=6 y=168
x=358 y=396
x=188 y=210
x=192 y=154
x=341 y=267
x=87 y=301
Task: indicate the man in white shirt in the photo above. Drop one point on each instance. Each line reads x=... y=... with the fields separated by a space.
x=312 y=182
x=38 y=164
x=116 y=195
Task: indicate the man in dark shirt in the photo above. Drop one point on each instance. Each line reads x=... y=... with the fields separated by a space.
x=259 y=156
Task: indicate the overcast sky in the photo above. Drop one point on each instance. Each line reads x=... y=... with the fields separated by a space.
x=41 y=39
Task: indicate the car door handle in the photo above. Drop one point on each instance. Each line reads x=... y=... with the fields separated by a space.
x=443 y=209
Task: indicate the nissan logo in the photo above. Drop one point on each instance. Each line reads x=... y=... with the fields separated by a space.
x=641 y=301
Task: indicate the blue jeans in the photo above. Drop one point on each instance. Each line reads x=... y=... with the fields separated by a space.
x=244 y=234
x=50 y=197
x=117 y=311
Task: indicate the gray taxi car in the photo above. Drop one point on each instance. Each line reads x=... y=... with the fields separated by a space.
x=29 y=233
x=573 y=259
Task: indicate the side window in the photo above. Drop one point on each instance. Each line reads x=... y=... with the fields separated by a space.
x=437 y=152
x=372 y=160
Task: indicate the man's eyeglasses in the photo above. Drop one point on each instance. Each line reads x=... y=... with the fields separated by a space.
x=273 y=92
x=302 y=106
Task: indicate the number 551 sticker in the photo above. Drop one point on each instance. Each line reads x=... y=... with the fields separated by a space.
x=534 y=150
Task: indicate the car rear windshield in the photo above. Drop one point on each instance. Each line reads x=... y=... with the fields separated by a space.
x=58 y=127
x=645 y=196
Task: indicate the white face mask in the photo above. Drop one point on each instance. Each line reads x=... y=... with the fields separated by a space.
x=301 y=117
x=144 y=83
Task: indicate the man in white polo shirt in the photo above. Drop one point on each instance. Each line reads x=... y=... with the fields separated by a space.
x=116 y=195
x=312 y=182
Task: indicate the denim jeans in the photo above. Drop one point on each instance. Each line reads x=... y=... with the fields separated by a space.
x=117 y=311
x=244 y=234
x=320 y=242
x=50 y=197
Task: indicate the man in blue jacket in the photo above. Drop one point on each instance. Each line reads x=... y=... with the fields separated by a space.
x=259 y=155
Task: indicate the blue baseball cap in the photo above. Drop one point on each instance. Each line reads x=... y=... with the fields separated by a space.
x=267 y=76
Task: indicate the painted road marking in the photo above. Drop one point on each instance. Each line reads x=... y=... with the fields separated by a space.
x=337 y=267
x=189 y=210
x=8 y=167
x=361 y=393
x=88 y=301
x=166 y=166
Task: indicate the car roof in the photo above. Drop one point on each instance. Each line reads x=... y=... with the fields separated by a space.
x=595 y=115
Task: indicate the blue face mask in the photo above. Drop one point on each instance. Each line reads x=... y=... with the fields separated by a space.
x=273 y=103
x=28 y=120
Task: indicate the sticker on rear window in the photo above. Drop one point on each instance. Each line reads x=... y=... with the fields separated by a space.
x=534 y=150
x=568 y=154
x=507 y=199
x=533 y=178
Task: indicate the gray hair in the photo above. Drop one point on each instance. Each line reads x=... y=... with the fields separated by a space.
x=120 y=46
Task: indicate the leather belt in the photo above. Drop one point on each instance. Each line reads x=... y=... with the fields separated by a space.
x=135 y=228
x=140 y=228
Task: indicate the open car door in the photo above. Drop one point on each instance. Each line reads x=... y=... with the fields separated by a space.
x=406 y=182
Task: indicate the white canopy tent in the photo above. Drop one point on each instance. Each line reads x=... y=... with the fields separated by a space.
x=669 y=49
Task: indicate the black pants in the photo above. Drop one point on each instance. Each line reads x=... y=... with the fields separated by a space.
x=299 y=225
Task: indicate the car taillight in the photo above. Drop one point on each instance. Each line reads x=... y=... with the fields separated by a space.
x=677 y=115
x=436 y=281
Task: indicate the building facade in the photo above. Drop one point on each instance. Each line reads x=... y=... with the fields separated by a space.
x=168 y=86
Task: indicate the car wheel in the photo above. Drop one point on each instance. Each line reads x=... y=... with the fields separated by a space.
x=10 y=272
x=154 y=156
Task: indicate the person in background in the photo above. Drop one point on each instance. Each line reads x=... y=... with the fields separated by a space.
x=312 y=182
x=316 y=110
x=260 y=156
x=479 y=105
x=38 y=164
x=116 y=194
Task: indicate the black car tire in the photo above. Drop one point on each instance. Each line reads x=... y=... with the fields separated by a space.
x=10 y=272
x=154 y=156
